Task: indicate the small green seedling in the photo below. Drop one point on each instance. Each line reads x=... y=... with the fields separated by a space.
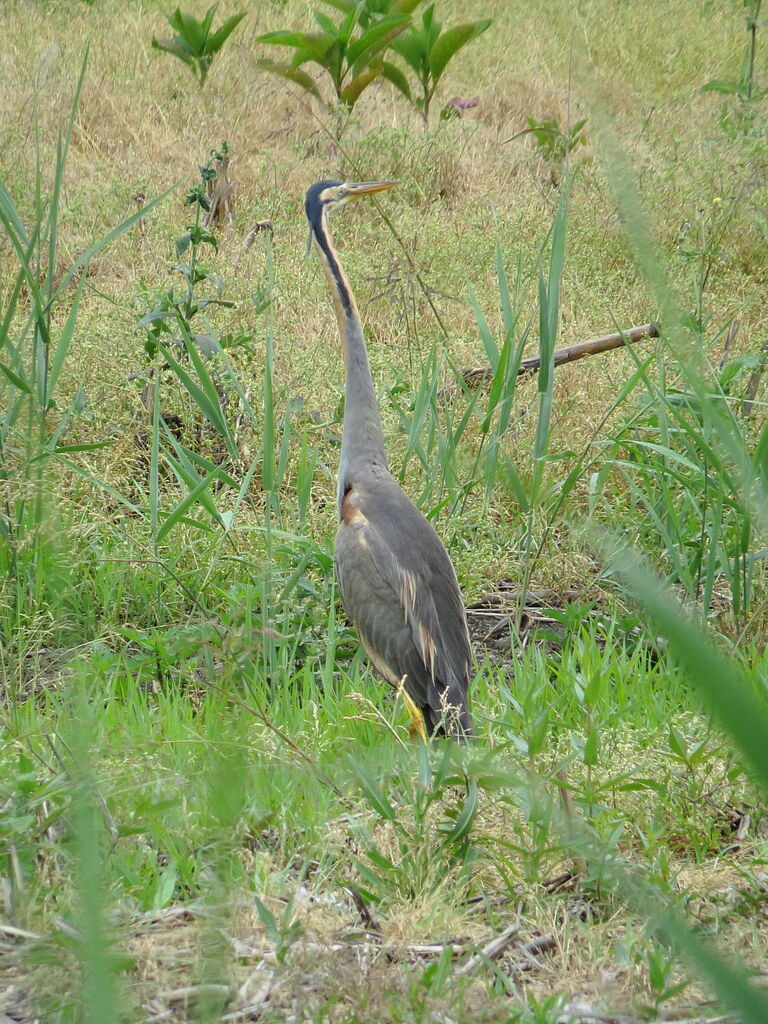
x=194 y=43
x=282 y=932
x=661 y=984
x=349 y=52
x=555 y=142
x=427 y=50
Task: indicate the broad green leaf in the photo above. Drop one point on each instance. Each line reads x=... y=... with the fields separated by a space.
x=11 y=216
x=94 y=446
x=504 y=294
x=403 y=6
x=187 y=475
x=350 y=94
x=177 y=47
x=190 y=29
x=208 y=405
x=394 y=75
x=205 y=24
x=268 y=919
x=292 y=74
x=379 y=860
x=346 y=28
x=497 y=383
x=316 y=43
x=761 y=455
x=27 y=268
x=329 y=61
x=676 y=744
x=545 y=342
x=381 y=32
x=222 y=33
x=376 y=882
x=202 y=27
x=411 y=50
x=517 y=486
x=191 y=459
x=220 y=420
x=450 y=42
x=325 y=23
x=591 y=748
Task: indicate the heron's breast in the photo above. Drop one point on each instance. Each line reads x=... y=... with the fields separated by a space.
x=351 y=512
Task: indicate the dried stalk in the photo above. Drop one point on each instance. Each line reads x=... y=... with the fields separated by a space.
x=592 y=347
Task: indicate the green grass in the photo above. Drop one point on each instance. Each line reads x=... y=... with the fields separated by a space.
x=207 y=802
x=191 y=798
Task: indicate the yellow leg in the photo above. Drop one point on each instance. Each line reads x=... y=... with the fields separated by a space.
x=417 y=726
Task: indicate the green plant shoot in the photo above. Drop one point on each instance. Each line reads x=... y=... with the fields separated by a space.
x=349 y=53
x=427 y=50
x=194 y=43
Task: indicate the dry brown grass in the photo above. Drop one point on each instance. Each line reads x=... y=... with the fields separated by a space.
x=334 y=968
x=143 y=125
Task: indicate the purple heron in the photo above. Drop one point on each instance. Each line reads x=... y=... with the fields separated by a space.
x=397 y=583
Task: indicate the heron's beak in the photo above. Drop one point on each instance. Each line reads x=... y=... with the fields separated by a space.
x=364 y=188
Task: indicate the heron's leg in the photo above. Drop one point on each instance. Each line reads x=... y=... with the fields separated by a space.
x=416 y=726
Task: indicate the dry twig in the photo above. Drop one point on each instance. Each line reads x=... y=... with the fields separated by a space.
x=491 y=950
x=570 y=354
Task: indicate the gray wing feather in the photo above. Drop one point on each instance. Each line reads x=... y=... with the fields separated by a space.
x=399 y=588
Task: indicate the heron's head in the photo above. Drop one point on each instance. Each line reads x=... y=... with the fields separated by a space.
x=326 y=196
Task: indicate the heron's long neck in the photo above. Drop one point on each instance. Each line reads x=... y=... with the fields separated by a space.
x=362 y=441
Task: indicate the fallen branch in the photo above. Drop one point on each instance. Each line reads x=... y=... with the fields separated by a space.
x=541 y=944
x=592 y=347
x=493 y=949
x=18 y=933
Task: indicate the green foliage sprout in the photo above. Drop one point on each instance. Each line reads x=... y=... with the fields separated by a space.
x=427 y=50
x=174 y=311
x=352 y=51
x=349 y=51
x=554 y=142
x=194 y=43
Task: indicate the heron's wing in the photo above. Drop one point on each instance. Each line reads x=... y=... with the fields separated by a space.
x=399 y=588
